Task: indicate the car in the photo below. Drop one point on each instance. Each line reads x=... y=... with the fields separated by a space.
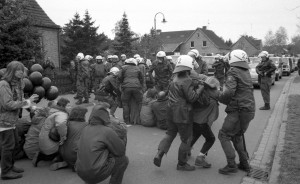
x=254 y=75
x=287 y=65
x=286 y=69
x=210 y=60
x=278 y=63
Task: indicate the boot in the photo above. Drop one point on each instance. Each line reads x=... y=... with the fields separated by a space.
x=200 y=161
x=185 y=167
x=158 y=157
x=79 y=102
x=266 y=107
x=244 y=166
x=58 y=165
x=11 y=175
x=228 y=169
x=17 y=170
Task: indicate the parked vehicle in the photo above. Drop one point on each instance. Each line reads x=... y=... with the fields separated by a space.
x=286 y=66
x=253 y=60
x=210 y=60
x=278 y=63
x=254 y=75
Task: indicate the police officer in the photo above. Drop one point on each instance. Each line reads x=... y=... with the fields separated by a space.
x=265 y=70
x=98 y=72
x=220 y=68
x=83 y=79
x=109 y=91
x=200 y=66
x=163 y=71
x=181 y=95
x=239 y=98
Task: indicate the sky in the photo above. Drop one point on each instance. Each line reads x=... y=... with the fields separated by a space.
x=227 y=18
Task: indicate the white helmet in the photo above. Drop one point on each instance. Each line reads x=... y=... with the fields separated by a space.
x=123 y=55
x=115 y=57
x=139 y=60
x=98 y=57
x=194 y=52
x=131 y=60
x=114 y=70
x=184 y=62
x=161 y=54
x=80 y=56
x=109 y=56
x=237 y=56
x=88 y=57
x=263 y=54
x=136 y=56
x=169 y=57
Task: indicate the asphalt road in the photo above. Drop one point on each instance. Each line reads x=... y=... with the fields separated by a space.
x=142 y=147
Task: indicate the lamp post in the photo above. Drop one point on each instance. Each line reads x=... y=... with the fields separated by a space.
x=163 y=21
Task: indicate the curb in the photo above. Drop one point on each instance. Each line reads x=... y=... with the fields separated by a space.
x=262 y=159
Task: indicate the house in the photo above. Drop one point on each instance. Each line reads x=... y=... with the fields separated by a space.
x=48 y=29
x=250 y=45
x=202 y=39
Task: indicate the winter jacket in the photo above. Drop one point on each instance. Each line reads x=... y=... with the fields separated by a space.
x=163 y=71
x=206 y=108
x=109 y=87
x=266 y=67
x=238 y=91
x=11 y=102
x=31 y=145
x=69 y=149
x=98 y=146
x=98 y=70
x=181 y=95
x=159 y=108
x=131 y=76
x=58 y=119
x=146 y=114
x=202 y=69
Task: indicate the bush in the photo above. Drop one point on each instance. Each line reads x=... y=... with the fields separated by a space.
x=62 y=81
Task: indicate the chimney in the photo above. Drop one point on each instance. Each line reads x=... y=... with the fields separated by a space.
x=158 y=31
x=204 y=27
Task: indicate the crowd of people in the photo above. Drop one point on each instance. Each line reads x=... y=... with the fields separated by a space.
x=177 y=97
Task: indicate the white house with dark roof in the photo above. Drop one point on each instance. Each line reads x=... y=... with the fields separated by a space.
x=202 y=39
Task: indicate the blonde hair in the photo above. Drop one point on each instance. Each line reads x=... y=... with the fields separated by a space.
x=11 y=69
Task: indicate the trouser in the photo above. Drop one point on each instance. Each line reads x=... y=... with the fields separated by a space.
x=205 y=130
x=298 y=70
x=185 y=133
x=96 y=82
x=9 y=140
x=235 y=124
x=118 y=170
x=127 y=95
x=108 y=99
x=82 y=89
x=265 y=87
x=221 y=81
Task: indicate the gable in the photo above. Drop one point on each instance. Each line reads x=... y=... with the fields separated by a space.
x=40 y=18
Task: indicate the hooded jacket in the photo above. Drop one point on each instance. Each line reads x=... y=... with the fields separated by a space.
x=97 y=148
x=238 y=91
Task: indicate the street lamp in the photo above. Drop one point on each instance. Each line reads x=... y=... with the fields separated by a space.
x=163 y=21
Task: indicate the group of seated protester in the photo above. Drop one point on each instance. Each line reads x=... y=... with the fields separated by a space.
x=61 y=135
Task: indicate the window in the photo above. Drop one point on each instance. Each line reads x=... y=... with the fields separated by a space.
x=204 y=44
x=192 y=44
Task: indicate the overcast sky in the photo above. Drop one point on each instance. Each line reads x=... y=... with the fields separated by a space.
x=227 y=18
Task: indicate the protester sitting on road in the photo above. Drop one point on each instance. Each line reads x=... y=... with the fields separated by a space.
x=101 y=153
x=205 y=112
x=159 y=109
x=53 y=134
x=76 y=123
x=11 y=102
x=146 y=115
x=180 y=97
x=239 y=98
x=31 y=146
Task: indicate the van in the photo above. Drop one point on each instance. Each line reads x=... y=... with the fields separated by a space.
x=287 y=65
x=210 y=60
x=278 y=63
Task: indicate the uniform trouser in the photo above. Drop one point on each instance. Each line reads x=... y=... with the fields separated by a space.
x=9 y=141
x=235 y=124
x=96 y=82
x=298 y=70
x=82 y=89
x=127 y=95
x=205 y=130
x=221 y=81
x=265 y=87
x=108 y=99
x=185 y=133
